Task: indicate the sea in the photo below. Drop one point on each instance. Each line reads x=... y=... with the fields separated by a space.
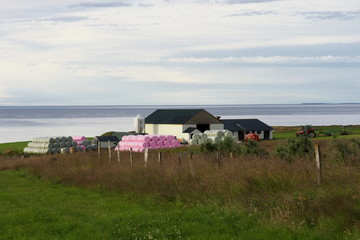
x=22 y=123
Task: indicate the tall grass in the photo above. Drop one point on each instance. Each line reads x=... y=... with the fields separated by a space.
x=278 y=190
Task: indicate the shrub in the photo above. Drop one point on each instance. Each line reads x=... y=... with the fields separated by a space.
x=252 y=148
x=227 y=145
x=344 y=151
x=300 y=147
x=208 y=147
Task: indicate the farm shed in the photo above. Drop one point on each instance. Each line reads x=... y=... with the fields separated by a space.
x=181 y=123
x=104 y=141
x=241 y=127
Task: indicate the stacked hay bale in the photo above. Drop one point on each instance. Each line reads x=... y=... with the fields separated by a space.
x=82 y=144
x=138 y=143
x=49 y=145
x=212 y=136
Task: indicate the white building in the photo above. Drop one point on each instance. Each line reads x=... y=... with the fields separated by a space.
x=181 y=123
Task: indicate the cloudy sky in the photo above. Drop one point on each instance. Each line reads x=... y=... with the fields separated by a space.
x=80 y=52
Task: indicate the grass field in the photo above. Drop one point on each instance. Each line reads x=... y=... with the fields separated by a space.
x=34 y=209
x=246 y=196
x=12 y=148
x=322 y=132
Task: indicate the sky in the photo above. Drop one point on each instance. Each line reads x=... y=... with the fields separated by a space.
x=191 y=52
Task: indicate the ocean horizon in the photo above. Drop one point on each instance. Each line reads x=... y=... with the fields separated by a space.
x=22 y=123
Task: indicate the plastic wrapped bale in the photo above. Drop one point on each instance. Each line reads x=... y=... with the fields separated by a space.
x=235 y=139
x=203 y=137
x=196 y=136
x=36 y=150
x=214 y=133
x=43 y=140
x=89 y=148
x=64 y=150
x=193 y=142
x=40 y=145
x=94 y=146
x=214 y=139
x=228 y=134
x=79 y=149
x=74 y=144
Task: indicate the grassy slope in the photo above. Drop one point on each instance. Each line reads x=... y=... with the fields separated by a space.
x=33 y=209
x=16 y=147
x=289 y=132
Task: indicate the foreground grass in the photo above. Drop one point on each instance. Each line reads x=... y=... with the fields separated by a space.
x=34 y=209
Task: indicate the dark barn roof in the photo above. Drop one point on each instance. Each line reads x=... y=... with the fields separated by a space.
x=245 y=125
x=180 y=116
x=189 y=130
x=107 y=138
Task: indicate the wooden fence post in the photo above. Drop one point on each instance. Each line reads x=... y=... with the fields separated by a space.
x=319 y=163
x=109 y=148
x=99 y=150
x=146 y=156
x=218 y=158
x=118 y=156
x=131 y=157
x=190 y=164
x=179 y=159
x=160 y=158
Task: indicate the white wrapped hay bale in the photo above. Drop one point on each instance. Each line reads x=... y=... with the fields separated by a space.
x=64 y=150
x=214 y=133
x=196 y=136
x=228 y=134
x=43 y=140
x=40 y=145
x=36 y=150
x=203 y=137
x=193 y=142
x=214 y=139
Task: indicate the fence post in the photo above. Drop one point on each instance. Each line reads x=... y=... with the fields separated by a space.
x=160 y=158
x=179 y=159
x=131 y=157
x=218 y=158
x=319 y=163
x=190 y=164
x=109 y=148
x=99 y=150
x=146 y=156
x=118 y=156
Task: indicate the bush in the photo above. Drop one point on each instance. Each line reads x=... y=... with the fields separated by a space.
x=252 y=148
x=344 y=151
x=208 y=147
x=300 y=147
x=227 y=145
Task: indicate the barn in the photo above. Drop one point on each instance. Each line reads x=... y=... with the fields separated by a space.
x=182 y=123
x=241 y=127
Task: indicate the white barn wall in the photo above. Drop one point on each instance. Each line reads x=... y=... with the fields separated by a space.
x=167 y=129
x=216 y=126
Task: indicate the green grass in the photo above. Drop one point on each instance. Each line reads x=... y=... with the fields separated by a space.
x=13 y=148
x=34 y=209
x=321 y=132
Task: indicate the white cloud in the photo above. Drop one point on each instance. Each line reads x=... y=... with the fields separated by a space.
x=139 y=44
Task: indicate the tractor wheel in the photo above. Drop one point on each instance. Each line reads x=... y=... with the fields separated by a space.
x=311 y=134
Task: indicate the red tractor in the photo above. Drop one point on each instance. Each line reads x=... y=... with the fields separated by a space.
x=306 y=131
